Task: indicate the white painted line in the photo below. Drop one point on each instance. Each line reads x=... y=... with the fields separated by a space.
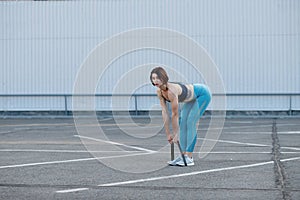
x=288 y=132
x=105 y=119
x=161 y=152
x=134 y=128
x=193 y=173
x=237 y=152
x=113 y=124
x=262 y=132
x=234 y=142
x=287 y=124
x=242 y=122
x=30 y=125
x=290 y=152
x=68 y=161
x=116 y=143
x=290 y=148
x=238 y=127
x=242 y=127
x=46 y=163
x=62 y=151
x=248 y=132
x=290 y=159
x=185 y=174
x=244 y=152
x=71 y=190
x=248 y=144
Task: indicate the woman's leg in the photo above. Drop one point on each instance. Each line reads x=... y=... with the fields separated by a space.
x=186 y=108
x=182 y=130
x=197 y=110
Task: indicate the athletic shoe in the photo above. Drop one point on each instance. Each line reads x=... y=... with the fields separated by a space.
x=189 y=161
x=175 y=161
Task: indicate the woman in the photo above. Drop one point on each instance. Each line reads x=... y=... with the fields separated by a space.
x=195 y=97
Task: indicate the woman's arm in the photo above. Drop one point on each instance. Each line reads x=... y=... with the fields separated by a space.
x=165 y=116
x=175 y=116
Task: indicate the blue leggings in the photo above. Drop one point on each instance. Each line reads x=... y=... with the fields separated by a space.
x=190 y=114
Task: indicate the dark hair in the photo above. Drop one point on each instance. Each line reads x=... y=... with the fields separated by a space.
x=161 y=74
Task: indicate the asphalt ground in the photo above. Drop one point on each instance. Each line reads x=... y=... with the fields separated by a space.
x=49 y=159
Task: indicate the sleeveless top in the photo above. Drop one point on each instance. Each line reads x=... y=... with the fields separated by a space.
x=183 y=94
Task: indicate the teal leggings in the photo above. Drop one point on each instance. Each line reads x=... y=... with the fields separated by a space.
x=190 y=114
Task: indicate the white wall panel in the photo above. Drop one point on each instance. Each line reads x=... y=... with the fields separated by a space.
x=255 y=44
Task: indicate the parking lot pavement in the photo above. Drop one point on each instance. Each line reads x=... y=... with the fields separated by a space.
x=48 y=159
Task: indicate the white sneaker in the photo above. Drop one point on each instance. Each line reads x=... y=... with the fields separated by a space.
x=175 y=161
x=189 y=161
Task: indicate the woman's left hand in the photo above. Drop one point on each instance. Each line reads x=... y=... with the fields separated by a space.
x=175 y=138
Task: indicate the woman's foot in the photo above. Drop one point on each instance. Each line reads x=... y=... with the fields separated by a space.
x=175 y=161
x=189 y=161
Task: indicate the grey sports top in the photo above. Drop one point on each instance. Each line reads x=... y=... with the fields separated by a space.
x=183 y=94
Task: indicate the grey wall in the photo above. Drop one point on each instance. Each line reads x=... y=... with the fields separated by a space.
x=255 y=44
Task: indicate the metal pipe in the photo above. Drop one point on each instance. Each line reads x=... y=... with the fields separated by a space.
x=290 y=109
x=66 y=105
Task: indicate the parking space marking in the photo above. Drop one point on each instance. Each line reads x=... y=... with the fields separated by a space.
x=248 y=144
x=116 y=143
x=45 y=163
x=241 y=127
x=180 y=175
x=165 y=152
x=235 y=142
x=288 y=132
x=263 y=132
x=62 y=151
x=71 y=190
x=134 y=128
x=69 y=161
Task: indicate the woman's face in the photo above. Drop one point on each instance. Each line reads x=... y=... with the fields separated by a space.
x=155 y=80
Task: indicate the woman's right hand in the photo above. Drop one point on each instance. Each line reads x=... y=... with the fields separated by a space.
x=170 y=139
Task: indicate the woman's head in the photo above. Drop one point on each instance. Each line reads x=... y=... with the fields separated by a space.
x=159 y=73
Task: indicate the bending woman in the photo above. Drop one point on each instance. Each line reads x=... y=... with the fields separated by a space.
x=195 y=97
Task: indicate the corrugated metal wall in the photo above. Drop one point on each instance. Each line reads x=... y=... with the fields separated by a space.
x=255 y=44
